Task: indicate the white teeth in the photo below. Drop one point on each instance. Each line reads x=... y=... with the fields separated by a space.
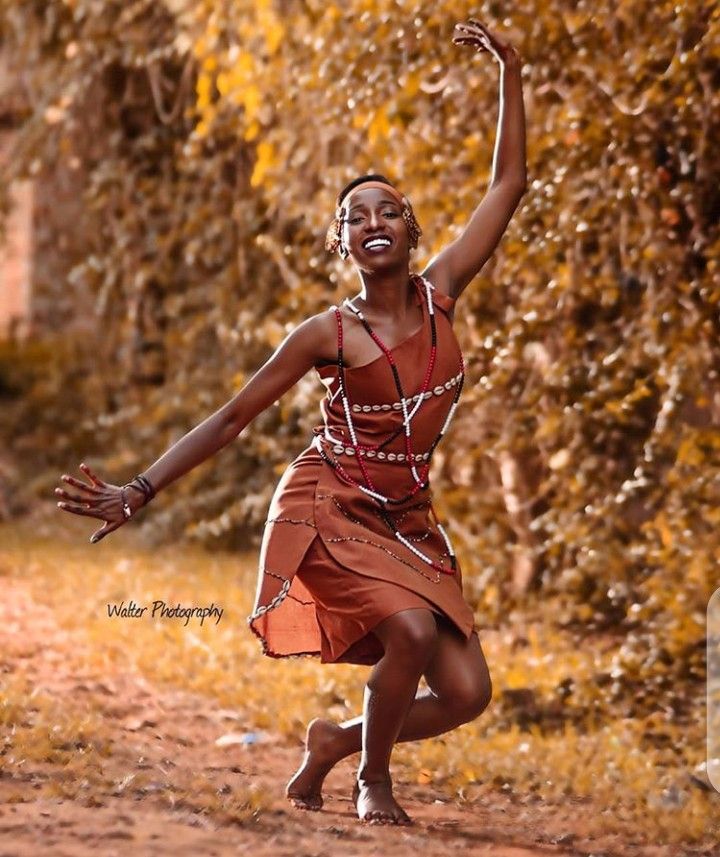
x=377 y=242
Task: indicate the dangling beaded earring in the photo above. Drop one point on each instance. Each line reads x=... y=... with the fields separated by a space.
x=333 y=239
x=414 y=231
x=342 y=249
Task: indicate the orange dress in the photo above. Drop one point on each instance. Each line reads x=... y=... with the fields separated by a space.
x=330 y=569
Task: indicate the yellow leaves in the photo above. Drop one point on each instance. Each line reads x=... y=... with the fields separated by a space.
x=584 y=612
x=239 y=84
x=239 y=75
x=252 y=131
x=660 y=523
x=619 y=406
x=562 y=275
x=424 y=776
x=202 y=128
x=379 y=126
x=713 y=515
x=250 y=98
x=515 y=678
x=203 y=89
x=549 y=426
x=411 y=86
x=266 y=159
x=574 y=21
x=689 y=452
x=697 y=568
x=242 y=68
x=271 y=26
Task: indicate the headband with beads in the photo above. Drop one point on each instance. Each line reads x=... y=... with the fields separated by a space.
x=371 y=183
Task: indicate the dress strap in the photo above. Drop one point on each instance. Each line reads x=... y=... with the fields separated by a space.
x=440 y=299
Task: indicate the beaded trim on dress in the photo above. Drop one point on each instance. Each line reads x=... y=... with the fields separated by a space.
x=277 y=600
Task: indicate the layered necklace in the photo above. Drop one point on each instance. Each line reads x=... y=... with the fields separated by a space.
x=421 y=480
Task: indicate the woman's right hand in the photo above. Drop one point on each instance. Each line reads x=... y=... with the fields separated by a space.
x=100 y=499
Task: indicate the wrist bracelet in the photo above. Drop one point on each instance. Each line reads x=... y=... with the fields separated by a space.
x=139 y=483
x=146 y=485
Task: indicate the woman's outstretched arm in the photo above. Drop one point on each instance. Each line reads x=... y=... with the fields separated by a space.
x=292 y=359
x=458 y=263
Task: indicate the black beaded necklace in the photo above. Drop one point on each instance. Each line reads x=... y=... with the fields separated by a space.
x=422 y=481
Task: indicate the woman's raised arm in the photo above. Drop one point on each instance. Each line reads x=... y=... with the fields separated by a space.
x=458 y=263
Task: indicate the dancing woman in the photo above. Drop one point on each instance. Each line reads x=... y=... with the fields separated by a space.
x=352 y=568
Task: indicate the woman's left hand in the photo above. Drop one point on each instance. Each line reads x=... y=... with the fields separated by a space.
x=476 y=34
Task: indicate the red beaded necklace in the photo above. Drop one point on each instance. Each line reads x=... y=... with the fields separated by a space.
x=421 y=481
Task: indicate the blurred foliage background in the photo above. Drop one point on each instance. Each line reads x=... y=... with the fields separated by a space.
x=188 y=154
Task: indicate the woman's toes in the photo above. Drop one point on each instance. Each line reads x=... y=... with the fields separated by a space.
x=381 y=818
x=306 y=801
x=375 y=804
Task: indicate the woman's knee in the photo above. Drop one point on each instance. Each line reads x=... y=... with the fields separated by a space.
x=460 y=678
x=472 y=697
x=410 y=632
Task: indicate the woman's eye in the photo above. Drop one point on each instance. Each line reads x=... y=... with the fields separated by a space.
x=391 y=213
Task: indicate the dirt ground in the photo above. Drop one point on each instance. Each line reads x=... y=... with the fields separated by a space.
x=168 y=788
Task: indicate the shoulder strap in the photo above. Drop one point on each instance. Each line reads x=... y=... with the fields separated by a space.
x=440 y=299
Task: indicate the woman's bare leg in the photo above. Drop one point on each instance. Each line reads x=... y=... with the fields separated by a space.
x=409 y=639
x=459 y=690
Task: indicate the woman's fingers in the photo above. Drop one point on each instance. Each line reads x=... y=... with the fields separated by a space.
x=77 y=498
x=475 y=33
x=477 y=29
x=488 y=36
x=471 y=35
x=469 y=41
x=103 y=531
x=82 y=510
x=71 y=480
x=95 y=479
x=89 y=492
x=88 y=495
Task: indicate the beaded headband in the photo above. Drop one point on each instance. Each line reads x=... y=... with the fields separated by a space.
x=372 y=183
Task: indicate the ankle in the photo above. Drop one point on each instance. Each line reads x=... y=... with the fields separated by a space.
x=368 y=777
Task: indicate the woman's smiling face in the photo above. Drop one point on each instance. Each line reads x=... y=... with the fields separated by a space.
x=374 y=213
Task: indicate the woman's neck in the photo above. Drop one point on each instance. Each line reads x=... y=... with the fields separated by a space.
x=386 y=297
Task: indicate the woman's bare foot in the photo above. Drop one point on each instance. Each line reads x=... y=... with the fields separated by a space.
x=321 y=755
x=375 y=804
